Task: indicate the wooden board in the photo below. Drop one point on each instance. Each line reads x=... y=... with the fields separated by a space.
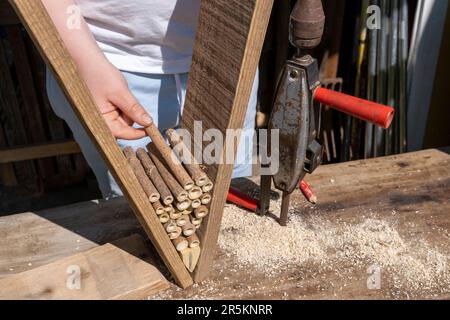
x=103 y=273
x=229 y=41
x=44 y=34
x=8 y=155
x=32 y=240
x=409 y=191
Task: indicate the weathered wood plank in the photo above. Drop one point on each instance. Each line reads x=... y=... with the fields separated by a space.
x=229 y=41
x=43 y=32
x=30 y=240
x=103 y=273
x=8 y=155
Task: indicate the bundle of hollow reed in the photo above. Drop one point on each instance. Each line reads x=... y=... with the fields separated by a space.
x=178 y=190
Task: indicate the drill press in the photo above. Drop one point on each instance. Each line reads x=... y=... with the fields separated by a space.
x=296 y=110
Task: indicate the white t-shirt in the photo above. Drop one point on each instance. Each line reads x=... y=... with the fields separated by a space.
x=146 y=36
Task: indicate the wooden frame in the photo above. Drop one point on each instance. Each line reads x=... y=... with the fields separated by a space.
x=229 y=42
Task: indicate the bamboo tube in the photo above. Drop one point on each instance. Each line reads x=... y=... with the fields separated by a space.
x=170 y=226
x=169 y=209
x=194 y=169
x=182 y=221
x=190 y=257
x=141 y=176
x=160 y=145
x=186 y=212
x=175 y=234
x=201 y=212
x=155 y=177
x=184 y=205
x=159 y=208
x=175 y=215
x=195 y=193
x=196 y=221
x=188 y=229
x=196 y=203
x=206 y=198
x=208 y=187
x=176 y=189
x=164 y=218
x=144 y=181
x=181 y=243
x=193 y=241
x=129 y=153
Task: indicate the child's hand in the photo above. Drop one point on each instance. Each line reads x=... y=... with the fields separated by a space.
x=114 y=99
x=107 y=85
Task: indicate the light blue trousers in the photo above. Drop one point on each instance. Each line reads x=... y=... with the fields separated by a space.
x=162 y=97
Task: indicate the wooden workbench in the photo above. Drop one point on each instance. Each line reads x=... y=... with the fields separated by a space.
x=410 y=192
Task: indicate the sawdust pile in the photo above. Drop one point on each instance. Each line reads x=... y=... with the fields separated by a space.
x=312 y=240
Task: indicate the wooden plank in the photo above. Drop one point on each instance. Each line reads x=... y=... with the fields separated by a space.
x=33 y=239
x=41 y=151
x=229 y=41
x=103 y=273
x=45 y=36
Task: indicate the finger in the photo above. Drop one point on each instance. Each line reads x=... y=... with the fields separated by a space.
x=125 y=132
x=127 y=120
x=106 y=107
x=132 y=109
x=120 y=129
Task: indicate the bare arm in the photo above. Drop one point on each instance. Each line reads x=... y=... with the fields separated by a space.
x=107 y=85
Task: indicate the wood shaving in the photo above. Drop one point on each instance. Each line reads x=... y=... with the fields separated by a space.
x=262 y=244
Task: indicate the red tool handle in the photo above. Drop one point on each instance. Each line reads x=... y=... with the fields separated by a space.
x=242 y=200
x=359 y=108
